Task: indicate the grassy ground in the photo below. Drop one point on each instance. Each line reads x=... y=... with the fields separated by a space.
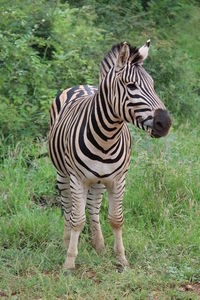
x=161 y=230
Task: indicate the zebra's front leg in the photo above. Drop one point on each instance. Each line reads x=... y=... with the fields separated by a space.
x=116 y=220
x=77 y=220
x=94 y=200
x=63 y=183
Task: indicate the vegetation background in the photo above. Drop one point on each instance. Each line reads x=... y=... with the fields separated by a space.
x=46 y=46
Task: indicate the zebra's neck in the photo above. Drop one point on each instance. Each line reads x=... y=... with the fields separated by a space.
x=104 y=127
x=109 y=61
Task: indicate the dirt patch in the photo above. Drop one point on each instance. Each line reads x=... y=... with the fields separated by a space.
x=190 y=287
x=4 y=294
x=185 y=288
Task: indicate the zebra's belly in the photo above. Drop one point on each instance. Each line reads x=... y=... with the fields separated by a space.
x=94 y=171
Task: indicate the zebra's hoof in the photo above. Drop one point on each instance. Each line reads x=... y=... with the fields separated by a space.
x=69 y=272
x=121 y=260
x=121 y=268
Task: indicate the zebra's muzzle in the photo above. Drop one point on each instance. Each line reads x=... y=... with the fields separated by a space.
x=148 y=122
x=161 y=123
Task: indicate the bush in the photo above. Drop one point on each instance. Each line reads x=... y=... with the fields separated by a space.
x=47 y=46
x=42 y=52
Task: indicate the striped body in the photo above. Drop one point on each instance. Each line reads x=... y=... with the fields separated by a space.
x=76 y=121
x=90 y=144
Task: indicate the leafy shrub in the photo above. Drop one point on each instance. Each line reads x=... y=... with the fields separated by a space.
x=46 y=46
x=41 y=52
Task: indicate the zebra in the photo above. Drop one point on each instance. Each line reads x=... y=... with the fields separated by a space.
x=90 y=143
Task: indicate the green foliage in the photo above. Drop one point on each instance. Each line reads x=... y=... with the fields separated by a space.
x=46 y=46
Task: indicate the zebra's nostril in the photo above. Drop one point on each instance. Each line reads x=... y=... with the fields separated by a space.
x=159 y=125
x=162 y=123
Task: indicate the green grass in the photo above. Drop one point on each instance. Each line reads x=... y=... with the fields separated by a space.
x=161 y=230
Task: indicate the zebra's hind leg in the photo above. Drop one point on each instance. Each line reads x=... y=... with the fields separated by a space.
x=77 y=219
x=115 y=217
x=94 y=200
x=63 y=183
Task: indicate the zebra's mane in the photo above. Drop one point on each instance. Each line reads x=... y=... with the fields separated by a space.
x=110 y=59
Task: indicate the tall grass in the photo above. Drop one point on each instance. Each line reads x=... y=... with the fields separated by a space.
x=161 y=230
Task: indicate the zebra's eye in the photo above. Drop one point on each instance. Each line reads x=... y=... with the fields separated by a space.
x=132 y=86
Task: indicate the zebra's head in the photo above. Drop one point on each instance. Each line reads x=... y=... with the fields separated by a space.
x=134 y=97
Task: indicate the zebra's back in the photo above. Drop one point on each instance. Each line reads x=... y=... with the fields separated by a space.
x=67 y=96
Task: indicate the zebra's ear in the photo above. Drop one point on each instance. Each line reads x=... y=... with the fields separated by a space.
x=123 y=55
x=143 y=51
